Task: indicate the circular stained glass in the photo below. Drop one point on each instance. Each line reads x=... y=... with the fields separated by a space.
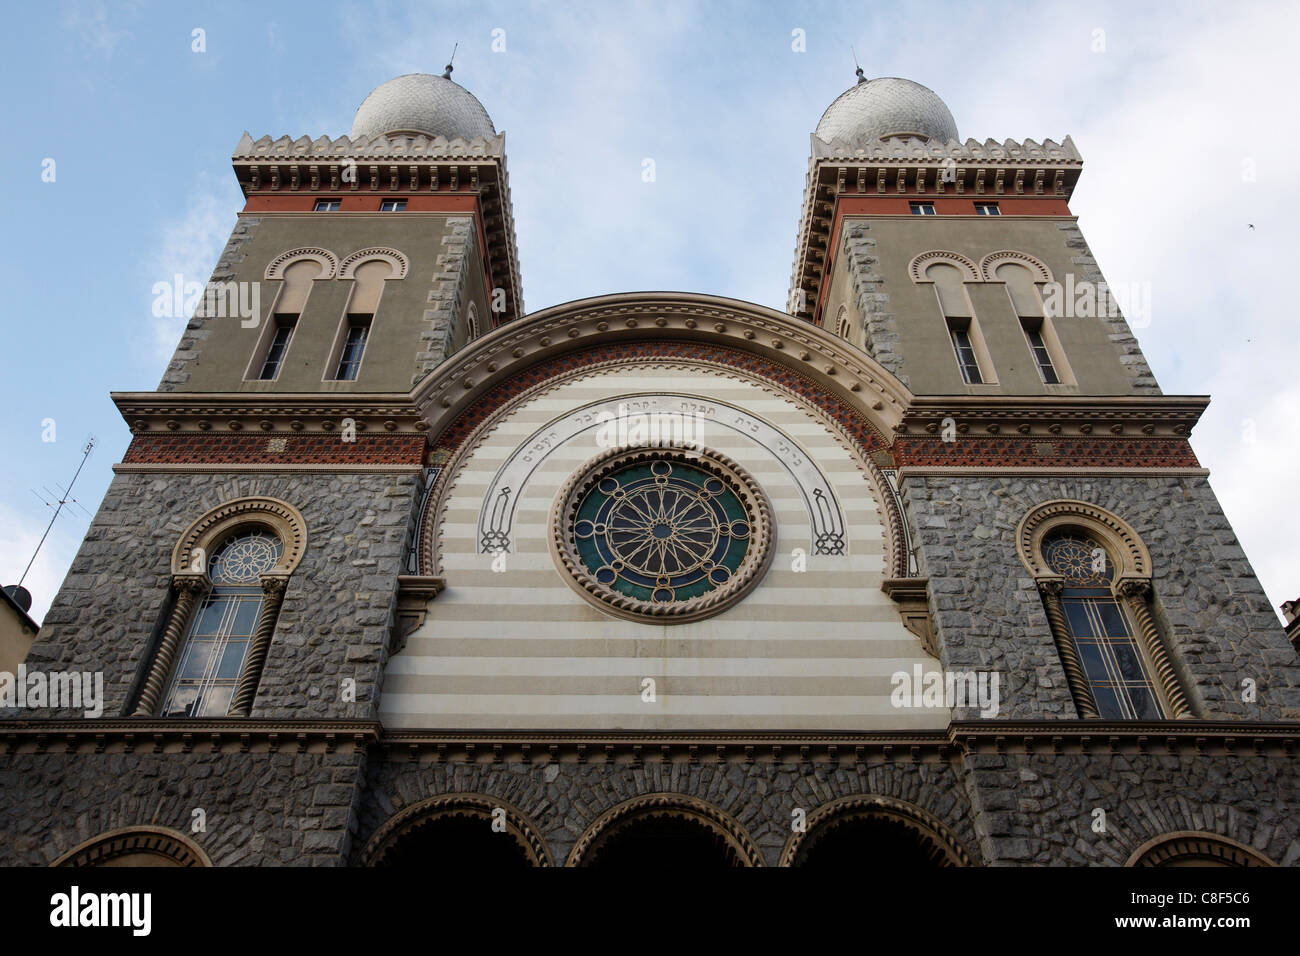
x=1080 y=560
x=243 y=558
x=663 y=533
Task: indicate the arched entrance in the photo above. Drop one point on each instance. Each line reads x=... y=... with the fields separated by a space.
x=665 y=832
x=856 y=830
x=136 y=846
x=468 y=831
x=1192 y=848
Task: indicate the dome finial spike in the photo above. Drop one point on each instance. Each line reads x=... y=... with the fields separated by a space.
x=861 y=76
x=446 y=75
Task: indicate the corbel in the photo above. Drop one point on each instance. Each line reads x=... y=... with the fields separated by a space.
x=979 y=180
x=314 y=172
x=294 y=177
x=394 y=179
x=1038 y=181
x=1020 y=181
x=880 y=179
x=374 y=178
x=334 y=179
x=414 y=592
x=912 y=595
x=961 y=180
x=999 y=184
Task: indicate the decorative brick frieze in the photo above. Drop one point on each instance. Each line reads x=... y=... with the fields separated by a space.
x=258 y=449
x=1023 y=452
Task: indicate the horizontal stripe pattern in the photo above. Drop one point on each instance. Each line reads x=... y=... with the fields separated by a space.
x=518 y=648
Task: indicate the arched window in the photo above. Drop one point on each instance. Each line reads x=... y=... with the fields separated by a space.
x=212 y=659
x=229 y=572
x=1107 y=645
x=1040 y=334
x=296 y=270
x=1094 y=575
x=843 y=328
x=949 y=272
x=368 y=269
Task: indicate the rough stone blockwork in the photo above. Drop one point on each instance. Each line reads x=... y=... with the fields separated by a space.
x=1040 y=809
x=258 y=809
x=1212 y=612
x=335 y=619
x=863 y=264
x=448 y=292
x=1131 y=357
x=195 y=332
x=563 y=799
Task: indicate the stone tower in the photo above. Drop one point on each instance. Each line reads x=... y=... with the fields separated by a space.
x=922 y=569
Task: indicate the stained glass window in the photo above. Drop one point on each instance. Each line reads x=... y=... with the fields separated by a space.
x=662 y=532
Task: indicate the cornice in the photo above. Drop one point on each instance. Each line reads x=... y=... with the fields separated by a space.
x=268 y=412
x=401 y=164
x=1086 y=738
x=1053 y=416
x=912 y=167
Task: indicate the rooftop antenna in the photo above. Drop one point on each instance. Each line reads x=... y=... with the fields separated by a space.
x=861 y=78
x=65 y=499
x=446 y=75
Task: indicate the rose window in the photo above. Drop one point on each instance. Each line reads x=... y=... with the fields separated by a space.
x=663 y=533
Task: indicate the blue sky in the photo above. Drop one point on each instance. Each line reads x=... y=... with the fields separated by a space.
x=1184 y=116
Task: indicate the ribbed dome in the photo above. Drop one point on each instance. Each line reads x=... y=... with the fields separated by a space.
x=423 y=103
x=871 y=111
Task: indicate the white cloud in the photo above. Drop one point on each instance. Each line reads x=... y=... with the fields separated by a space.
x=89 y=21
x=188 y=246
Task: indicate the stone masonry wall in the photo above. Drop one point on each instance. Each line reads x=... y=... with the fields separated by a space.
x=1039 y=809
x=1213 y=614
x=260 y=809
x=334 y=622
x=564 y=798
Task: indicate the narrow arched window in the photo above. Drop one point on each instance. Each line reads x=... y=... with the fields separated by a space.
x=963 y=327
x=223 y=627
x=1108 y=646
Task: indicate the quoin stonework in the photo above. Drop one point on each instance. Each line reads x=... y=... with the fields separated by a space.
x=373 y=584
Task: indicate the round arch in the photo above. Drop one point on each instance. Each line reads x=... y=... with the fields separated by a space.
x=732 y=837
x=1196 y=848
x=329 y=263
x=989 y=265
x=933 y=839
x=479 y=809
x=136 y=846
x=1132 y=559
x=201 y=538
x=396 y=259
x=919 y=264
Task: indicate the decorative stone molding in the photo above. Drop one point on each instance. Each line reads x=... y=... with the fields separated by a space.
x=730 y=477
x=273 y=588
x=414 y=592
x=329 y=262
x=947 y=846
x=152 y=846
x=281 y=518
x=1196 y=848
x=450 y=806
x=654 y=805
x=989 y=265
x=1121 y=541
x=913 y=598
x=917 y=267
x=188 y=587
x=396 y=259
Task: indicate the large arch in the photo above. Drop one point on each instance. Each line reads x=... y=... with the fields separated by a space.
x=848 y=389
x=454 y=820
x=1196 y=848
x=136 y=846
x=907 y=830
x=711 y=834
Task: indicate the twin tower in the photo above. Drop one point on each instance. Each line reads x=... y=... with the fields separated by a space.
x=931 y=577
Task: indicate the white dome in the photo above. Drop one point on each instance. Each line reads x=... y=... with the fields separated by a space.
x=873 y=110
x=423 y=103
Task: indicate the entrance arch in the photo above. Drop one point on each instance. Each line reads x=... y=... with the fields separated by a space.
x=463 y=829
x=1194 y=848
x=665 y=831
x=881 y=830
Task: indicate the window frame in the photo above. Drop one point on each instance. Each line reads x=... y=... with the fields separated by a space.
x=922 y=208
x=330 y=205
